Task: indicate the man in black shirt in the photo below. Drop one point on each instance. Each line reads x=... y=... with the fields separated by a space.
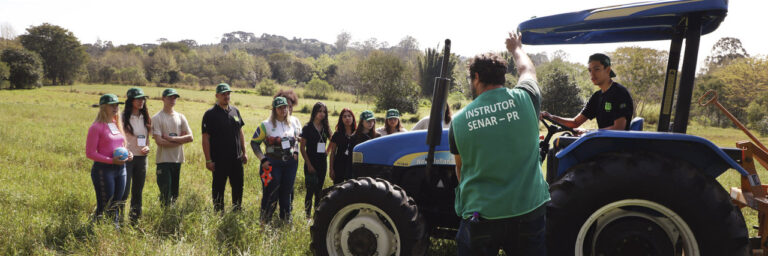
x=224 y=148
x=612 y=104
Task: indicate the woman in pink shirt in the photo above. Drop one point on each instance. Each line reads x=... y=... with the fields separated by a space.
x=107 y=173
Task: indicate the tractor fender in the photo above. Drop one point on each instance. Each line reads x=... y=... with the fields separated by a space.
x=404 y=149
x=701 y=153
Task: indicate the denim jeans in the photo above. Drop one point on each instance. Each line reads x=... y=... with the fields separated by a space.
x=279 y=189
x=521 y=235
x=168 y=182
x=109 y=184
x=136 y=173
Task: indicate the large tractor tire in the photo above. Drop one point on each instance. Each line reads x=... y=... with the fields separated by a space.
x=642 y=204
x=368 y=216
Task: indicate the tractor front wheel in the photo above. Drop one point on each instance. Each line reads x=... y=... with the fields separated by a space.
x=368 y=216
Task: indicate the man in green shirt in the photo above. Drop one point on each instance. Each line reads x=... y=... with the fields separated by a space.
x=502 y=194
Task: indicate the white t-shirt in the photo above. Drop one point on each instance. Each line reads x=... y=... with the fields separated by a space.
x=383 y=130
x=174 y=124
x=423 y=124
x=139 y=136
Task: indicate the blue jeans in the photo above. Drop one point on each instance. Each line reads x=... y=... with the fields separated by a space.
x=279 y=189
x=109 y=184
x=521 y=235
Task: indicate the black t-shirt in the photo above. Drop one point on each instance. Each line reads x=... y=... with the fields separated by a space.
x=343 y=148
x=609 y=106
x=313 y=136
x=223 y=127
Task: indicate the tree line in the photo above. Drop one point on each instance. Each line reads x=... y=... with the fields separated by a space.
x=393 y=76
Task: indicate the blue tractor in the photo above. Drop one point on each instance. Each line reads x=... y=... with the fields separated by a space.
x=613 y=192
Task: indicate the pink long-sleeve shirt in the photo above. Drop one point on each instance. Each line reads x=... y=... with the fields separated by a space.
x=101 y=142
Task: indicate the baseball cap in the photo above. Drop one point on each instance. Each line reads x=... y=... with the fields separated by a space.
x=135 y=92
x=603 y=59
x=366 y=115
x=108 y=99
x=393 y=113
x=279 y=101
x=222 y=88
x=170 y=92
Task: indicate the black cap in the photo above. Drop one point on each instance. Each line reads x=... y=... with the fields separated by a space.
x=603 y=59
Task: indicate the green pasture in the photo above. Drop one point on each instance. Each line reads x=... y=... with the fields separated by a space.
x=46 y=194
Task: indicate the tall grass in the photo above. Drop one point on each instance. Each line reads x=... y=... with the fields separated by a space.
x=46 y=196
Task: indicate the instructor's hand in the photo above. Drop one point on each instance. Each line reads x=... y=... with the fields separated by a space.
x=244 y=159
x=211 y=166
x=513 y=42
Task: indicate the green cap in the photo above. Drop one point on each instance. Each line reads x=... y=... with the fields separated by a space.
x=108 y=99
x=603 y=59
x=222 y=88
x=134 y=93
x=366 y=115
x=170 y=92
x=393 y=113
x=279 y=101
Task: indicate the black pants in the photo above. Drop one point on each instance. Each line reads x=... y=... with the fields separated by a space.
x=521 y=235
x=314 y=182
x=223 y=170
x=168 y=182
x=136 y=173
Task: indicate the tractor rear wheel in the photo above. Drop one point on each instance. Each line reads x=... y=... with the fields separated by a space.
x=368 y=216
x=642 y=204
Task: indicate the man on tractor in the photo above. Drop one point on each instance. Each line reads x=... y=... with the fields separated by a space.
x=612 y=104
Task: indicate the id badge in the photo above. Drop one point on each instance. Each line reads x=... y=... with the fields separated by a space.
x=321 y=147
x=346 y=152
x=286 y=143
x=173 y=134
x=141 y=140
x=113 y=128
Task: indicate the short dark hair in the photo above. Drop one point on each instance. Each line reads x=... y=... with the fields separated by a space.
x=490 y=68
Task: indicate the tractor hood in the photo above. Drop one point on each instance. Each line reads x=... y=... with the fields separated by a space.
x=403 y=149
x=646 y=21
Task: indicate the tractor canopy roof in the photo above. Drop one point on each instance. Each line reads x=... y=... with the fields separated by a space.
x=645 y=21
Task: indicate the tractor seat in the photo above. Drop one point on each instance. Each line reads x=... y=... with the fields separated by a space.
x=636 y=124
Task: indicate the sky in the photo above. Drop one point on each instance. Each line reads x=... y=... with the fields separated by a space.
x=474 y=27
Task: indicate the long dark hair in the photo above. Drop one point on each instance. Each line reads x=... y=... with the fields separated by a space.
x=371 y=134
x=340 y=124
x=127 y=116
x=316 y=109
x=391 y=130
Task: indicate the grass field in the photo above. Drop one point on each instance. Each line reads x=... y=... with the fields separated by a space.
x=46 y=194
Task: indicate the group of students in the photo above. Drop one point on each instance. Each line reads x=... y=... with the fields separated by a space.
x=283 y=136
x=114 y=179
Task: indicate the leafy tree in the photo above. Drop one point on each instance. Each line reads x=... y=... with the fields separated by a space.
x=724 y=51
x=236 y=65
x=407 y=45
x=266 y=87
x=318 y=89
x=63 y=56
x=745 y=80
x=642 y=71
x=161 y=66
x=346 y=77
x=389 y=79
x=181 y=47
x=25 y=68
x=5 y=73
x=342 y=40
x=560 y=94
x=429 y=68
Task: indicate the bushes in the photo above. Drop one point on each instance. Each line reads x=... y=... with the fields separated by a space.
x=266 y=87
x=318 y=89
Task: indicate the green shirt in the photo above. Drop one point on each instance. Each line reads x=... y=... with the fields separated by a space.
x=497 y=137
